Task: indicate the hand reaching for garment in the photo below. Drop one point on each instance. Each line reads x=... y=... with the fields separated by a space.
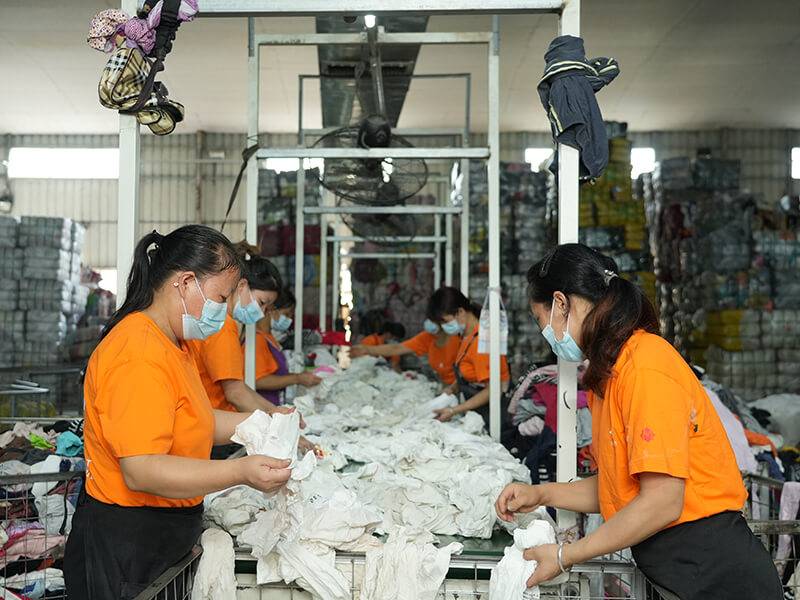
x=518 y=498
x=444 y=414
x=359 y=351
x=263 y=472
x=287 y=410
x=304 y=446
x=546 y=558
x=308 y=379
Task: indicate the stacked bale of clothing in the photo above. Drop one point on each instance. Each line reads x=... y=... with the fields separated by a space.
x=40 y=290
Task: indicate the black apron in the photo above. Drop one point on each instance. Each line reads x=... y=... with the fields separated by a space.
x=114 y=552
x=716 y=558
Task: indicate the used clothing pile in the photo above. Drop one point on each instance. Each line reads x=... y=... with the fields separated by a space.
x=36 y=517
x=388 y=468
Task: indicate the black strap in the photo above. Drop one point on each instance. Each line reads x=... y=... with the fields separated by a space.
x=167 y=28
x=247 y=154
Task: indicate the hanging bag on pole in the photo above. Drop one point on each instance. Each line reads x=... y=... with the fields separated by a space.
x=484 y=327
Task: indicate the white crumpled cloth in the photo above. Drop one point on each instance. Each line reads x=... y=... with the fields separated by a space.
x=510 y=576
x=406 y=567
x=215 y=579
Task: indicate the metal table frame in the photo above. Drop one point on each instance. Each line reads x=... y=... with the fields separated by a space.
x=568 y=13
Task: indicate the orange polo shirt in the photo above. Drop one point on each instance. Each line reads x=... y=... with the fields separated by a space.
x=441 y=359
x=218 y=358
x=474 y=366
x=265 y=362
x=372 y=340
x=143 y=395
x=656 y=417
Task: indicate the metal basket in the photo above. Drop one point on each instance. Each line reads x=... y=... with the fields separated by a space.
x=36 y=514
x=468 y=579
x=176 y=582
x=764 y=497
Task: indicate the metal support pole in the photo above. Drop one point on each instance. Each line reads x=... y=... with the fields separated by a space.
x=251 y=216
x=323 y=272
x=127 y=189
x=299 y=256
x=448 y=250
x=494 y=230
x=336 y=302
x=376 y=69
x=566 y=457
x=437 y=261
x=464 y=241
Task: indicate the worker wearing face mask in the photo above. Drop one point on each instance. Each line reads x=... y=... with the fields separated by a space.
x=440 y=348
x=149 y=426
x=458 y=316
x=220 y=358
x=668 y=485
x=272 y=373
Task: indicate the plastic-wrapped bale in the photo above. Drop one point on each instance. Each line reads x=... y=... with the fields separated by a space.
x=734 y=330
x=47 y=263
x=8 y=352
x=9 y=294
x=716 y=174
x=781 y=250
x=789 y=369
x=80 y=296
x=33 y=353
x=46 y=295
x=673 y=174
x=46 y=232
x=78 y=237
x=9 y=231
x=11 y=261
x=45 y=326
x=12 y=325
x=603 y=238
x=787 y=288
x=751 y=373
x=780 y=329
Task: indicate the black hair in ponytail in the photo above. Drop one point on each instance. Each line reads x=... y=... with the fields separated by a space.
x=259 y=272
x=197 y=248
x=620 y=307
x=447 y=301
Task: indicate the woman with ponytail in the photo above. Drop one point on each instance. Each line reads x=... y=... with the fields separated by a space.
x=668 y=485
x=458 y=316
x=149 y=426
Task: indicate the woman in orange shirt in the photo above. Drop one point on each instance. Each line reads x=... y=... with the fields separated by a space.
x=667 y=485
x=272 y=373
x=440 y=348
x=149 y=426
x=457 y=315
x=220 y=358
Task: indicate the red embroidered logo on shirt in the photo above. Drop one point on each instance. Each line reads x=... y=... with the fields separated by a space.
x=648 y=434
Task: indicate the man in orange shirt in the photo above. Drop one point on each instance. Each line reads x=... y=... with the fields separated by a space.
x=440 y=348
x=668 y=485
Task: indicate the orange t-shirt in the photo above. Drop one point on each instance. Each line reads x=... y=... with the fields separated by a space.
x=372 y=340
x=142 y=396
x=655 y=417
x=265 y=362
x=441 y=359
x=218 y=358
x=474 y=366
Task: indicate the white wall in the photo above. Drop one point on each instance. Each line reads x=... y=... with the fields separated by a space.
x=176 y=189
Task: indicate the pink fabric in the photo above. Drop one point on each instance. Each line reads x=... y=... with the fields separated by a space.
x=103 y=27
x=550 y=370
x=138 y=34
x=531 y=427
x=34 y=544
x=546 y=395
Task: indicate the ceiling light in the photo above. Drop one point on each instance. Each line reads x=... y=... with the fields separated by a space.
x=369 y=21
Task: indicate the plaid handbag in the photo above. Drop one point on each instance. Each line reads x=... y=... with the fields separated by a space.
x=126 y=75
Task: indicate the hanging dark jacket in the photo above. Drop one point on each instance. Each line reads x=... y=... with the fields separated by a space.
x=567 y=91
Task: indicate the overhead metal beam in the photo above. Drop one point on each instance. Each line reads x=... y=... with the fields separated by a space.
x=355 y=39
x=390 y=255
x=422 y=239
x=424 y=153
x=282 y=8
x=382 y=210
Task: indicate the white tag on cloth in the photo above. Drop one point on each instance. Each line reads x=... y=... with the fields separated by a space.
x=484 y=327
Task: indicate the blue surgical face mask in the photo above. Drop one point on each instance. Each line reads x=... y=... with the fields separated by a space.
x=453 y=328
x=211 y=320
x=249 y=314
x=430 y=327
x=566 y=347
x=281 y=324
